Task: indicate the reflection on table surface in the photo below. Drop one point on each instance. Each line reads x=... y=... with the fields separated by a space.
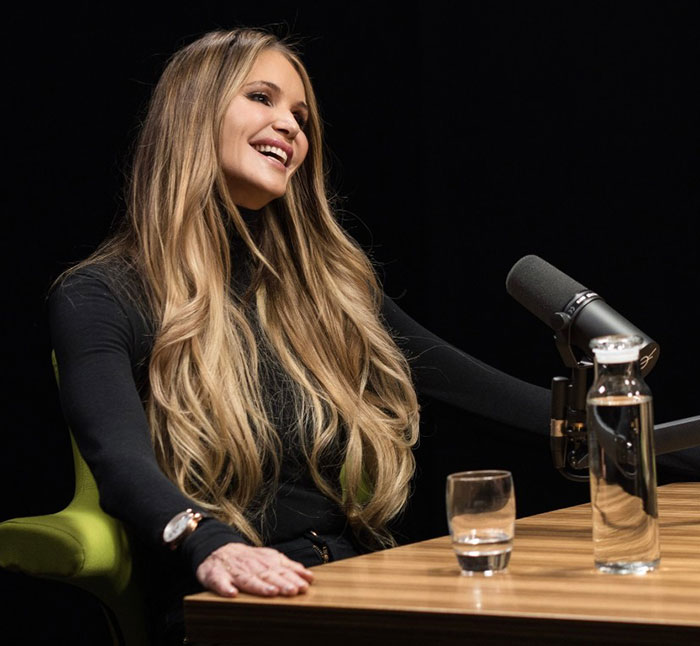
x=551 y=577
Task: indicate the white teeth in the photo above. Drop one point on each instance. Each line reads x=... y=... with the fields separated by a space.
x=278 y=152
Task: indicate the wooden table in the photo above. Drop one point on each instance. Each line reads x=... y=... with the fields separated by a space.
x=550 y=594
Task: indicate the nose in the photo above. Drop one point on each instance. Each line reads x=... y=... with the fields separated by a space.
x=287 y=125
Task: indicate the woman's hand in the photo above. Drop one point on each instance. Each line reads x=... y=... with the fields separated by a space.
x=263 y=571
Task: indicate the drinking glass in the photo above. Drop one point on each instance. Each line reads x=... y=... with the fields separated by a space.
x=481 y=517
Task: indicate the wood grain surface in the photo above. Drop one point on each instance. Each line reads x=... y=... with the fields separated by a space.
x=550 y=594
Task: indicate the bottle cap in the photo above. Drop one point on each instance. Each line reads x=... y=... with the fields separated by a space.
x=617 y=348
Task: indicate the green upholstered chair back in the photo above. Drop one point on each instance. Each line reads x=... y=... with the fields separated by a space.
x=83 y=546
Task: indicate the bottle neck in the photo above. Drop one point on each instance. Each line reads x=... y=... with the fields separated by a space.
x=626 y=369
x=618 y=379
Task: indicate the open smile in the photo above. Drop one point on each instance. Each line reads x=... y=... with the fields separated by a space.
x=276 y=150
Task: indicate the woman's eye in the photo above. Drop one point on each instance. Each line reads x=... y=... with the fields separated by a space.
x=261 y=97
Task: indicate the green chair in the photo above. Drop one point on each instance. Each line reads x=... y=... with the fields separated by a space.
x=83 y=546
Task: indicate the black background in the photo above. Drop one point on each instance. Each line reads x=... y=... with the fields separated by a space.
x=461 y=141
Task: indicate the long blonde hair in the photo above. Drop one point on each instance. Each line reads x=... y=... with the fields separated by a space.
x=317 y=302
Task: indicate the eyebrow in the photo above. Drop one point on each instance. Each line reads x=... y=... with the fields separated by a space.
x=276 y=88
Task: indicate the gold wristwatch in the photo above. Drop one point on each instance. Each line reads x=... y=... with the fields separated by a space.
x=180 y=526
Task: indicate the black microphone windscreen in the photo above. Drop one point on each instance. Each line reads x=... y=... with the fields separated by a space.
x=540 y=287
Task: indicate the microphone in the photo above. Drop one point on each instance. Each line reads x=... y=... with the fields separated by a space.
x=576 y=313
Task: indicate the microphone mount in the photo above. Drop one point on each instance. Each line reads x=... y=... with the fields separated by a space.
x=568 y=439
x=561 y=323
x=568 y=435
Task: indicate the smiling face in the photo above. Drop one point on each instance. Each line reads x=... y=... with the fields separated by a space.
x=262 y=139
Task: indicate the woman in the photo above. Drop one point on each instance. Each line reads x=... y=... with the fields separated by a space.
x=229 y=353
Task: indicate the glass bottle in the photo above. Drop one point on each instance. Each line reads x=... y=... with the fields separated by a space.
x=621 y=459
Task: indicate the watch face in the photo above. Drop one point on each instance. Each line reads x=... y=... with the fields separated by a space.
x=176 y=526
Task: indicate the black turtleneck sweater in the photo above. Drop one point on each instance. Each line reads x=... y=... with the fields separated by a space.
x=103 y=343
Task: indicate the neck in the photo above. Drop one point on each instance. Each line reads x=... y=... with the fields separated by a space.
x=251 y=219
x=249 y=215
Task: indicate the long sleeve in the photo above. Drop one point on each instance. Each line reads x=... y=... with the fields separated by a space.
x=101 y=344
x=447 y=374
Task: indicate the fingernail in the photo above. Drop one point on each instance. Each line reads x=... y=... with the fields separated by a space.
x=270 y=588
x=288 y=588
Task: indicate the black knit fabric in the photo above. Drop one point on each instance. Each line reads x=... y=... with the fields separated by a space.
x=103 y=339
